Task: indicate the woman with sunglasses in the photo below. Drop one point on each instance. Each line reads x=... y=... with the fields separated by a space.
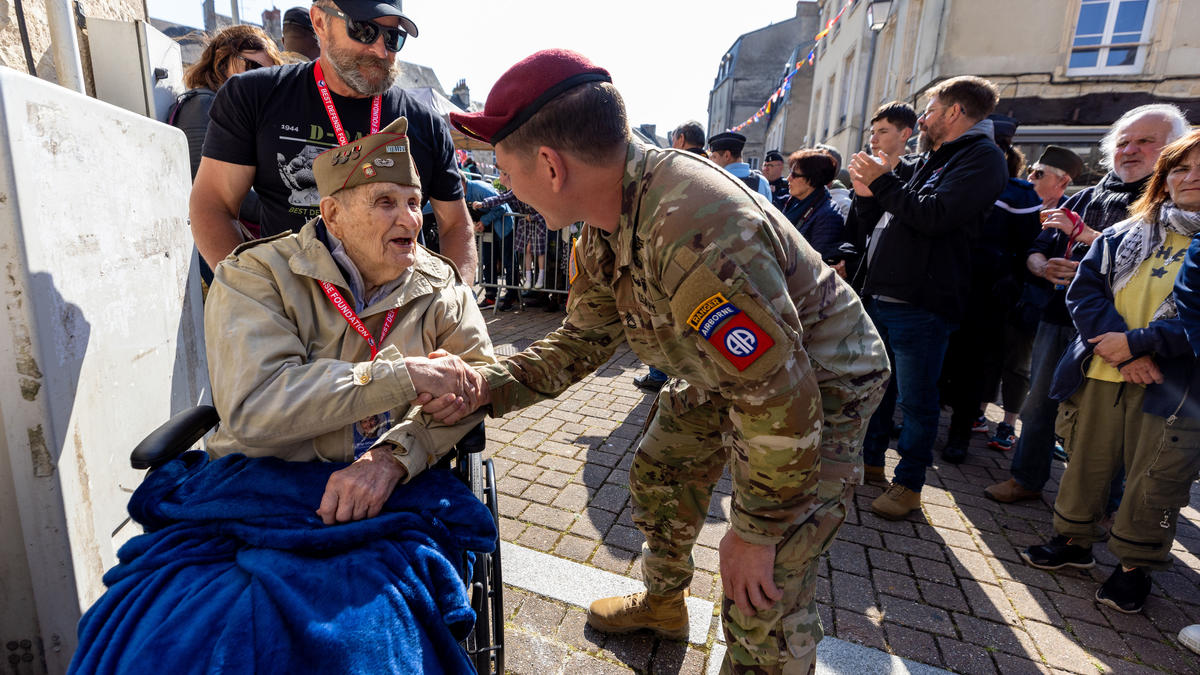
x=231 y=51
x=810 y=207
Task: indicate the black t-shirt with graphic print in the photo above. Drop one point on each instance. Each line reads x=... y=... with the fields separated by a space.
x=273 y=119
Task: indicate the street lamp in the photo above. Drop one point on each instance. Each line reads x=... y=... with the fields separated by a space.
x=877 y=14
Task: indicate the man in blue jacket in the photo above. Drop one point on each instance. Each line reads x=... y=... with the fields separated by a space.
x=918 y=266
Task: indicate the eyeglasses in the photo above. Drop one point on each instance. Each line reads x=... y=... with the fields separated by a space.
x=251 y=64
x=1039 y=171
x=367 y=32
x=797 y=175
x=1037 y=174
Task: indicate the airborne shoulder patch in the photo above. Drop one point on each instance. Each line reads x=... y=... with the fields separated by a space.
x=734 y=334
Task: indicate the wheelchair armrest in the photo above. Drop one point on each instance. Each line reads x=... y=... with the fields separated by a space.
x=174 y=437
x=474 y=442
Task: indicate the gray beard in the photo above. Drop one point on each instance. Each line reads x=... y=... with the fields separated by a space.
x=349 y=68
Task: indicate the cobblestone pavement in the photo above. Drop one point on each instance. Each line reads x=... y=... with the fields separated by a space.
x=945 y=587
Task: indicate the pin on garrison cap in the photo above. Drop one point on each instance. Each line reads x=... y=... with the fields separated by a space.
x=1062 y=158
x=525 y=89
x=383 y=157
x=727 y=140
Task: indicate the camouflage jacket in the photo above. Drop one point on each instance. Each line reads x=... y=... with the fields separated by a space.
x=291 y=378
x=711 y=284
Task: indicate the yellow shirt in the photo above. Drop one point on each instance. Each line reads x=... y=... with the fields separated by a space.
x=1141 y=297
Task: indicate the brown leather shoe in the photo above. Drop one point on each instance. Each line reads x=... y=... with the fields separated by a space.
x=897 y=502
x=874 y=474
x=1010 y=491
x=663 y=614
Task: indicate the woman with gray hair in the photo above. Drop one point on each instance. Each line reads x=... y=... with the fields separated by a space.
x=1130 y=388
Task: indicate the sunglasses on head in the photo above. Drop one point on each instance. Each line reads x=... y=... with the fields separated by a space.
x=367 y=32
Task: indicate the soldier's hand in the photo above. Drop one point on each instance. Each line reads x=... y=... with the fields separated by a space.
x=360 y=490
x=748 y=574
x=450 y=408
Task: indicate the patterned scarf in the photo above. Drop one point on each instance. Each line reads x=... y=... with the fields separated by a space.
x=1143 y=240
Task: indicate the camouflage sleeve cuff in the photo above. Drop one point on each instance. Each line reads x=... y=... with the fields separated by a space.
x=754 y=530
x=503 y=388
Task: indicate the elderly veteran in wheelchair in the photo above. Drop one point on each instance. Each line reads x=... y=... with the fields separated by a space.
x=318 y=344
x=308 y=333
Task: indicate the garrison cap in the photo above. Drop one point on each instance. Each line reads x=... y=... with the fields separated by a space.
x=728 y=140
x=383 y=157
x=365 y=10
x=524 y=89
x=1062 y=158
x=773 y=156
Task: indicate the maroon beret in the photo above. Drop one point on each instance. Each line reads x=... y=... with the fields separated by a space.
x=523 y=89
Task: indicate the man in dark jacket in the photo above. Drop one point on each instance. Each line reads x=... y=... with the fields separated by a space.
x=918 y=265
x=1131 y=147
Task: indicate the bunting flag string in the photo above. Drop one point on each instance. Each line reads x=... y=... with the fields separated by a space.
x=787 y=80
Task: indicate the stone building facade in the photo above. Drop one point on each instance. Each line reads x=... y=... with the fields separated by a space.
x=1066 y=69
x=752 y=69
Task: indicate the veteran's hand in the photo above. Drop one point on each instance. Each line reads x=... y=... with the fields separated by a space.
x=441 y=374
x=1142 y=370
x=450 y=408
x=1112 y=347
x=748 y=574
x=359 y=490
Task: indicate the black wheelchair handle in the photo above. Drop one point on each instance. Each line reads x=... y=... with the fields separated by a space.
x=175 y=437
x=474 y=442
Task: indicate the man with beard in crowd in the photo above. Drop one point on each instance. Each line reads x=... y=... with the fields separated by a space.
x=267 y=126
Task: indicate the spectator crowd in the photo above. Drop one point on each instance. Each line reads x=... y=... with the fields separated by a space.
x=986 y=277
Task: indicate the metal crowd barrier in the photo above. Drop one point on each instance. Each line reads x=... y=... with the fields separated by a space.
x=503 y=270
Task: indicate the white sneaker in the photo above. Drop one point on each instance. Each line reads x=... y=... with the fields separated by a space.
x=541 y=279
x=528 y=279
x=1190 y=637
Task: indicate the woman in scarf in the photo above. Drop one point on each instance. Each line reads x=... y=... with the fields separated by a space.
x=1131 y=387
x=811 y=209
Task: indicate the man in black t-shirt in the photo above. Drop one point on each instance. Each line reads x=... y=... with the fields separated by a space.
x=267 y=127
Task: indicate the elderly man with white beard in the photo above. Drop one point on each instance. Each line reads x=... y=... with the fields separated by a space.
x=269 y=124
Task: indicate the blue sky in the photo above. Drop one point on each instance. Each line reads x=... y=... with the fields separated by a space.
x=663 y=54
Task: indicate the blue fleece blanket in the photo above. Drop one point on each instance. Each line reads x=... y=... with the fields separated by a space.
x=237 y=574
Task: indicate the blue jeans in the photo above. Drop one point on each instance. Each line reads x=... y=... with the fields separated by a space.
x=916 y=342
x=657 y=375
x=1034 y=449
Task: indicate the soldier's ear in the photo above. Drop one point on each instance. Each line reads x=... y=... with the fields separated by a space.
x=554 y=166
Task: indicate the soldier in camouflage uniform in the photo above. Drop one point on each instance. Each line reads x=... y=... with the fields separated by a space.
x=775 y=366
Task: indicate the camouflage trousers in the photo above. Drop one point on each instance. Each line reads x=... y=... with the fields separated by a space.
x=678 y=462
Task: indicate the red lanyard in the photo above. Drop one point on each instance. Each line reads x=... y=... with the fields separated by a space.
x=327 y=99
x=356 y=323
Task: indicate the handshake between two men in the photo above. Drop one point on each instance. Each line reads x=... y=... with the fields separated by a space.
x=449 y=388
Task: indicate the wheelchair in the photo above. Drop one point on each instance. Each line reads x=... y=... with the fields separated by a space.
x=485 y=644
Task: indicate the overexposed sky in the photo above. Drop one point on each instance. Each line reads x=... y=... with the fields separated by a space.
x=663 y=54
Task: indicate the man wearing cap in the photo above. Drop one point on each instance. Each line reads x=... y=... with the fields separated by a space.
x=298 y=35
x=725 y=149
x=774 y=365
x=267 y=127
x=1131 y=147
x=307 y=333
x=772 y=170
x=1050 y=175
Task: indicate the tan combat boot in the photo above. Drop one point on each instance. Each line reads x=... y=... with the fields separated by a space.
x=897 y=502
x=663 y=614
x=874 y=475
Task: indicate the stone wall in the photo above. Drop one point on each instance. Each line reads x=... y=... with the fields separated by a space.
x=13 y=50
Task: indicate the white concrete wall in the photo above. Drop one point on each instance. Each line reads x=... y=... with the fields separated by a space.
x=100 y=340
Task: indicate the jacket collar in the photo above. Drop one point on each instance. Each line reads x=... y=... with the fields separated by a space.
x=621 y=241
x=314 y=260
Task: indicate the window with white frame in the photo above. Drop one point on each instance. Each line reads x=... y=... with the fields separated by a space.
x=1110 y=37
x=847 y=80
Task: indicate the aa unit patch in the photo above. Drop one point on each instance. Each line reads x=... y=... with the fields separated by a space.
x=728 y=329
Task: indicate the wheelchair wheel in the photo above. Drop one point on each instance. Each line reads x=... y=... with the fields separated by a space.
x=485 y=644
